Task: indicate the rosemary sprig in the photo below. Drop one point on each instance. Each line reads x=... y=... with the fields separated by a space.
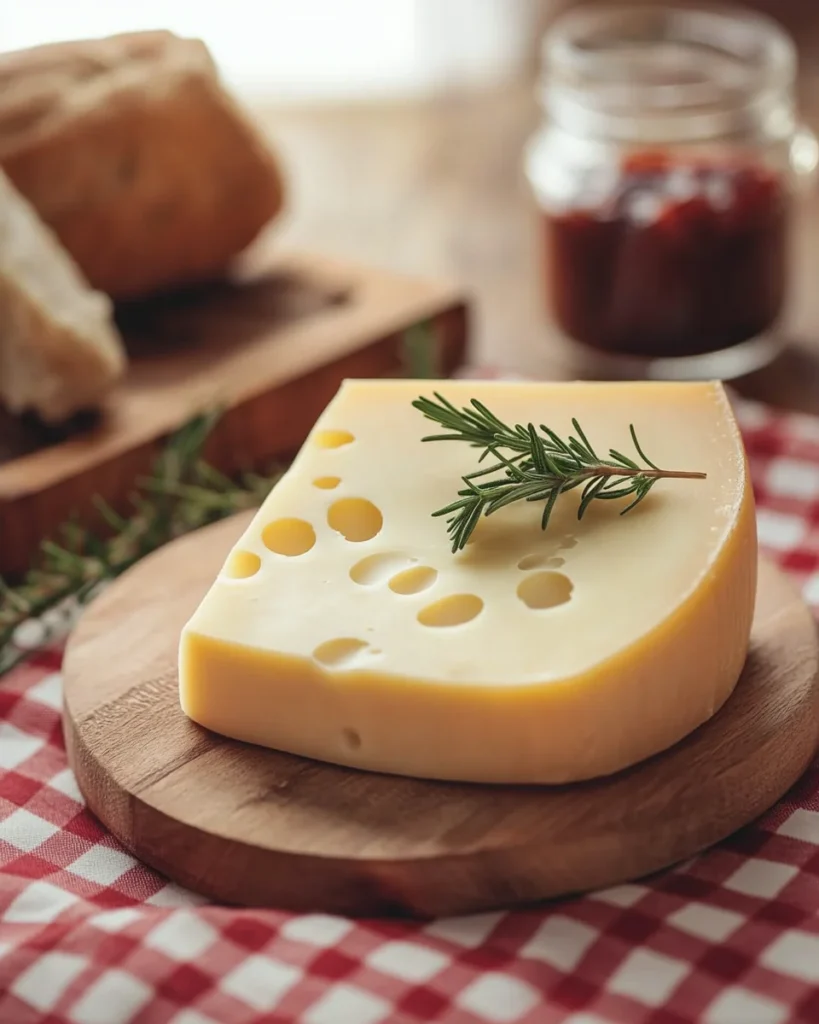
x=182 y=493
x=538 y=465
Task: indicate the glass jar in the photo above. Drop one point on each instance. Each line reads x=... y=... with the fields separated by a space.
x=666 y=172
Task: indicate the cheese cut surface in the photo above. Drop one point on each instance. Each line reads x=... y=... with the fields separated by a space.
x=343 y=628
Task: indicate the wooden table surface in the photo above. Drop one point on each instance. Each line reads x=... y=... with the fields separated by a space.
x=437 y=187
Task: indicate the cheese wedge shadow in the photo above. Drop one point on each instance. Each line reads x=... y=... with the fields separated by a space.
x=342 y=628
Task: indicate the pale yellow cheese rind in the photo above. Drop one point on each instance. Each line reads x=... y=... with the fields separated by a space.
x=337 y=653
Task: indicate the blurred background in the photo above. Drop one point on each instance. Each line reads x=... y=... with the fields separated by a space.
x=402 y=124
x=328 y=51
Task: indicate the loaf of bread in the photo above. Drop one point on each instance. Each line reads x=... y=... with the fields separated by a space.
x=132 y=151
x=59 y=350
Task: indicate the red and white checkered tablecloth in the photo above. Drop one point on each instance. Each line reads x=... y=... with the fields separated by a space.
x=89 y=936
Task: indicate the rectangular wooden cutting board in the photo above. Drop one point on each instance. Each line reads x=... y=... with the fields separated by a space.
x=270 y=348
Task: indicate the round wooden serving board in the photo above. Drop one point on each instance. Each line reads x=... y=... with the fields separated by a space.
x=246 y=825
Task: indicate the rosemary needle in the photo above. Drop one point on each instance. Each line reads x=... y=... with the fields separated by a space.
x=533 y=464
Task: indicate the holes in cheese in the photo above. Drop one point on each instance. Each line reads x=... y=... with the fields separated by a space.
x=474 y=681
x=414 y=580
x=545 y=590
x=376 y=569
x=356 y=519
x=351 y=739
x=540 y=561
x=333 y=438
x=454 y=610
x=532 y=562
x=327 y=483
x=289 y=537
x=340 y=652
x=548 y=559
x=242 y=564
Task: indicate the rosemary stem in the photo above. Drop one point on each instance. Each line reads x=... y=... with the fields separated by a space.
x=673 y=474
x=543 y=466
x=650 y=474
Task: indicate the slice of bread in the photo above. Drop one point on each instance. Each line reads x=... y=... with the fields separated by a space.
x=59 y=350
x=130 y=148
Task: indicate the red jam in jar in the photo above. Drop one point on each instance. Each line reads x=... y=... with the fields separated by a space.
x=672 y=258
x=666 y=169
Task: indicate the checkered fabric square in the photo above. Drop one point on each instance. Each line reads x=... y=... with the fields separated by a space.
x=90 y=936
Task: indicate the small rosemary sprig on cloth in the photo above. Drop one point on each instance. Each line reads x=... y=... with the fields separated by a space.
x=539 y=466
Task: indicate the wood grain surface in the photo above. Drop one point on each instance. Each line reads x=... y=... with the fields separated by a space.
x=246 y=825
x=271 y=348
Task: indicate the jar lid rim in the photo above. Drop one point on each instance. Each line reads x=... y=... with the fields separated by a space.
x=580 y=48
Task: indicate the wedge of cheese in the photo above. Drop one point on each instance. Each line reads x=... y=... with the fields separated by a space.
x=343 y=628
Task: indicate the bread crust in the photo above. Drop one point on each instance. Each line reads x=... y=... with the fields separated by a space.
x=131 y=150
